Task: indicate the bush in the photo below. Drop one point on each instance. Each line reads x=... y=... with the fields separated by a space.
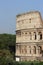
x=12 y=62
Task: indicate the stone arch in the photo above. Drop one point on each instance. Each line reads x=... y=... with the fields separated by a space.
x=30 y=49
x=34 y=49
x=22 y=49
x=30 y=35
x=18 y=33
x=40 y=49
x=35 y=35
x=25 y=49
x=18 y=48
x=40 y=33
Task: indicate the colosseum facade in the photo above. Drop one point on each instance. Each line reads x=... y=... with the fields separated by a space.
x=29 y=36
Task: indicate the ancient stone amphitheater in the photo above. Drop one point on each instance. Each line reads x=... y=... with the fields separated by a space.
x=29 y=36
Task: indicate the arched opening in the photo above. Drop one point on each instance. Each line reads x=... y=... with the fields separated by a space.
x=34 y=50
x=18 y=33
x=40 y=49
x=40 y=35
x=30 y=49
x=35 y=35
x=30 y=35
x=30 y=20
x=20 y=49
x=25 y=49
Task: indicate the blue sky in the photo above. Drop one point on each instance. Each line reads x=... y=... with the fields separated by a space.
x=10 y=8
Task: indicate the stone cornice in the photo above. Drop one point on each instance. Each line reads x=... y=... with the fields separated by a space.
x=29 y=28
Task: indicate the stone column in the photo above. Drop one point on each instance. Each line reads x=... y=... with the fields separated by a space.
x=37 y=50
x=33 y=36
x=32 y=50
x=37 y=36
x=27 y=49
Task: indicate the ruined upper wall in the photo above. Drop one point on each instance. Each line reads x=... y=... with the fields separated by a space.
x=28 y=20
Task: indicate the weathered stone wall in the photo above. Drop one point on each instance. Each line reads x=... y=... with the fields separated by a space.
x=30 y=20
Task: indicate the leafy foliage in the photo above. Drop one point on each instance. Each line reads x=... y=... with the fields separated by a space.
x=7 y=48
x=7 y=40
